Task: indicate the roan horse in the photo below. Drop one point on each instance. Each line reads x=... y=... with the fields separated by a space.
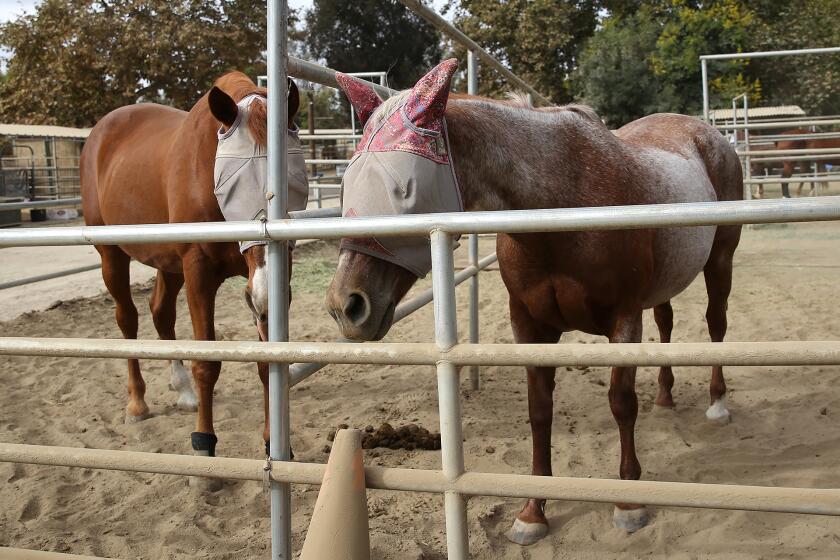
x=151 y=164
x=508 y=155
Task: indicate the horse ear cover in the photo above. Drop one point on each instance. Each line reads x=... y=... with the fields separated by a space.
x=361 y=96
x=426 y=104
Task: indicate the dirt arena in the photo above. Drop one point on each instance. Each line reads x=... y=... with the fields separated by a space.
x=784 y=429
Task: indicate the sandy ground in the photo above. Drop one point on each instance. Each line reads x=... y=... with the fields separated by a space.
x=784 y=429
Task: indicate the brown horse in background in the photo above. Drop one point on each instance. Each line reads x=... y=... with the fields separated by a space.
x=510 y=156
x=152 y=164
x=805 y=166
x=789 y=167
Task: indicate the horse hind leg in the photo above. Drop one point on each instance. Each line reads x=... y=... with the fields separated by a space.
x=664 y=316
x=531 y=524
x=162 y=305
x=115 y=273
x=718 y=275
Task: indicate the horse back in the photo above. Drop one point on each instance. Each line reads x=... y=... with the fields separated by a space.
x=691 y=139
x=123 y=165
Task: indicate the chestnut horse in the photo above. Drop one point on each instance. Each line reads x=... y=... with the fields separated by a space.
x=152 y=164
x=789 y=167
x=511 y=156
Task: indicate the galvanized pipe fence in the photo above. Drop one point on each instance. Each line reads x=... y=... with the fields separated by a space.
x=446 y=354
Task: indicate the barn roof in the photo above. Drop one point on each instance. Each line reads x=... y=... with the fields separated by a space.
x=758 y=112
x=43 y=131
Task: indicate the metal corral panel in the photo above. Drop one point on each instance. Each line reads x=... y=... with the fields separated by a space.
x=759 y=112
x=43 y=131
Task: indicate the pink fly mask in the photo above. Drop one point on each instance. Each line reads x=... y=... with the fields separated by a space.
x=402 y=164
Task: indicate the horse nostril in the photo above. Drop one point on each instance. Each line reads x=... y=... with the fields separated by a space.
x=357 y=308
x=263 y=317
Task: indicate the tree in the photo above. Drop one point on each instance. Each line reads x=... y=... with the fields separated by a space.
x=615 y=75
x=810 y=81
x=539 y=40
x=372 y=35
x=722 y=26
x=73 y=61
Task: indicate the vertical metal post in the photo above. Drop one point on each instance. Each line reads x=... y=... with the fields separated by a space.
x=278 y=274
x=475 y=379
x=449 y=403
x=747 y=169
x=705 y=73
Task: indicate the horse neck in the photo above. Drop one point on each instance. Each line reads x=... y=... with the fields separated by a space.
x=508 y=157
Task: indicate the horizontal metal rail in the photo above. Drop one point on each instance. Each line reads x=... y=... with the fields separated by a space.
x=765 y=54
x=316 y=137
x=326 y=76
x=41 y=204
x=334 y=212
x=818 y=157
x=765 y=125
x=458 y=36
x=758 y=140
x=813 y=501
x=325 y=161
x=795 y=179
x=300 y=371
x=509 y=221
x=781 y=353
x=48 y=276
x=796 y=152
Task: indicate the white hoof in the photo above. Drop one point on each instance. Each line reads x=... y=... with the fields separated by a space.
x=187 y=402
x=717 y=412
x=630 y=520
x=526 y=533
x=181 y=381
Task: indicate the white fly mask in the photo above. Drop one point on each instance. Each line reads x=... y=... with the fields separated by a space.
x=402 y=165
x=241 y=172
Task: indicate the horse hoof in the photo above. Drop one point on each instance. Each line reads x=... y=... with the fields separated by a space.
x=718 y=413
x=664 y=406
x=630 y=520
x=187 y=402
x=204 y=485
x=133 y=419
x=526 y=533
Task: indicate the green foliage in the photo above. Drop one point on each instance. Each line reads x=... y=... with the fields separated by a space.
x=74 y=60
x=688 y=32
x=615 y=74
x=372 y=35
x=538 y=39
x=810 y=81
x=645 y=56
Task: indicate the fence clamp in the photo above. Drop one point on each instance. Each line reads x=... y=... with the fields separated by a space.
x=267 y=473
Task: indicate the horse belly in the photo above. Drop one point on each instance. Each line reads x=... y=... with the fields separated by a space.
x=679 y=256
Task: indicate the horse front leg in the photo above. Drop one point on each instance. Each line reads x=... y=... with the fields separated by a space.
x=625 y=408
x=202 y=284
x=531 y=524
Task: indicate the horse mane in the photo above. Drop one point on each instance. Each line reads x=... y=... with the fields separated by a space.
x=520 y=99
x=239 y=86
